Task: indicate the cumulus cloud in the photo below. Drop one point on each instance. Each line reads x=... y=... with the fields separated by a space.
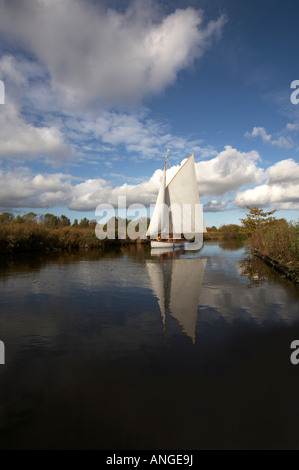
x=80 y=52
x=228 y=171
x=9 y=68
x=19 y=188
x=280 y=191
x=215 y=206
x=56 y=132
x=283 y=172
x=94 y=53
x=89 y=194
x=259 y=131
x=281 y=141
x=21 y=139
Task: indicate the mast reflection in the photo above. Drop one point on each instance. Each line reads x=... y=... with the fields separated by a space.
x=177 y=283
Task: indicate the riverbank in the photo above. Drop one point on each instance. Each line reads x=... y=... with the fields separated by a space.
x=34 y=237
x=278 y=246
x=50 y=235
x=288 y=272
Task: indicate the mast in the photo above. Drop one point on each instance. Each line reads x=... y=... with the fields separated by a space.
x=156 y=225
x=166 y=160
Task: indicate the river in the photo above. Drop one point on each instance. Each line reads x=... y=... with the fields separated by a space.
x=125 y=349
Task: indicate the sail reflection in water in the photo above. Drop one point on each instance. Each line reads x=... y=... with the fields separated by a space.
x=177 y=285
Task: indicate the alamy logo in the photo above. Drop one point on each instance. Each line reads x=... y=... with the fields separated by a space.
x=2 y=92
x=2 y=353
x=186 y=219
x=294 y=356
x=294 y=96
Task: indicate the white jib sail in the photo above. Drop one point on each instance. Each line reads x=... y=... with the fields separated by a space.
x=157 y=221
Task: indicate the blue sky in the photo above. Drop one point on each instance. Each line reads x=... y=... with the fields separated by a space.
x=97 y=91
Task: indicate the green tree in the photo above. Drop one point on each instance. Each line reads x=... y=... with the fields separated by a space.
x=19 y=219
x=212 y=229
x=64 y=221
x=257 y=219
x=230 y=231
x=29 y=217
x=50 y=220
x=6 y=217
x=84 y=223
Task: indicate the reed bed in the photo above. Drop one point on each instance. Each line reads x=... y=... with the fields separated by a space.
x=279 y=243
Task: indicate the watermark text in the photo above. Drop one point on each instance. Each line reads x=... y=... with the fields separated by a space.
x=295 y=95
x=2 y=92
x=176 y=219
x=2 y=353
x=295 y=354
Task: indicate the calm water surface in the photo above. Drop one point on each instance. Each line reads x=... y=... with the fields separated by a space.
x=128 y=350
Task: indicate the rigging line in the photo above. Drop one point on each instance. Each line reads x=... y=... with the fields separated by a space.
x=192 y=155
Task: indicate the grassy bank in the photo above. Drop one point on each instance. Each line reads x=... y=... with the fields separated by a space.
x=278 y=246
x=49 y=233
x=37 y=237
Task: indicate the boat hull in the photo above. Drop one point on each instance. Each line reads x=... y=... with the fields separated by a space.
x=166 y=244
x=170 y=245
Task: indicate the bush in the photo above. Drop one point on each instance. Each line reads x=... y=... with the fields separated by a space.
x=279 y=242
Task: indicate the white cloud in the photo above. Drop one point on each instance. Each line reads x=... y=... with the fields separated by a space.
x=140 y=136
x=19 y=188
x=281 y=141
x=57 y=133
x=215 y=206
x=228 y=171
x=222 y=175
x=283 y=172
x=9 y=69
x=259 y=131
x=276 y=196
x=292 y=127
x=94 y=53
x=280 y=191
x=21 y=139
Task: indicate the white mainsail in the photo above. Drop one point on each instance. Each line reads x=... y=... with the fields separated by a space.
x=178 y=209
x=181 y=195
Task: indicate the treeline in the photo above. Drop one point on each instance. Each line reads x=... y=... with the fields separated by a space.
x=48 y=220
x=48 y=233
x=225 y=232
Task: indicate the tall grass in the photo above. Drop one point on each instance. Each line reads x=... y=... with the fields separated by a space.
x=31 y=236
x=279 y=242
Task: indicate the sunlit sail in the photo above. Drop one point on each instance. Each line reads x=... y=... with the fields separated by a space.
x=177 y=219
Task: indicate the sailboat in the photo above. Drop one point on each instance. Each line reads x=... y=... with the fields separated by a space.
x=177 y=219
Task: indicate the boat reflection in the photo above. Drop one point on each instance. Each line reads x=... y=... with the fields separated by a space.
x=176 y=283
